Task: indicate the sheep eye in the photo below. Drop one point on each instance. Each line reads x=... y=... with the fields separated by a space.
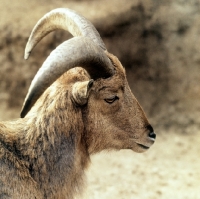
x=111 y=99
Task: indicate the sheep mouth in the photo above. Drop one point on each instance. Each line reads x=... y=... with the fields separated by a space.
x=143 y=146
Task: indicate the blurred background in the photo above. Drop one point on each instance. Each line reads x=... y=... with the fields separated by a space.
x=158 y=42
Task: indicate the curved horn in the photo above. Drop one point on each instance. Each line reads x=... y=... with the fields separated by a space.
x=78 y=51
x=66 y=19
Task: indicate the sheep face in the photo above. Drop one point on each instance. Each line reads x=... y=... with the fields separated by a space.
x=113 y=117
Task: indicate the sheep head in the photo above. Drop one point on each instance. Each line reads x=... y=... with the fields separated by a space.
x=112 y=117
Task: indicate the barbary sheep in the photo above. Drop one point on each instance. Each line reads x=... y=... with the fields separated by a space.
x=79 y=103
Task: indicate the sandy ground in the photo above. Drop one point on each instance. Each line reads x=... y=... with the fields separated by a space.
x=170 y=169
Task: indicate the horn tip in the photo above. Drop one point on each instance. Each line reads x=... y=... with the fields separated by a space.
x=28 y=50
x=22 y=115
x=26 y=55
x=23 y=110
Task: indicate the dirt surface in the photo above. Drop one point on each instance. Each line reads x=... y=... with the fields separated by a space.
x=170 y=169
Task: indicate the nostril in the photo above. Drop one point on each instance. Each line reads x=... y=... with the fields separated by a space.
x=151 y=133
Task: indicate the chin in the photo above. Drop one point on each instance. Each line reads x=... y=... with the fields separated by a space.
x=140 y=148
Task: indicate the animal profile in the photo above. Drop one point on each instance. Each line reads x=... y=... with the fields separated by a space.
x=78 y=104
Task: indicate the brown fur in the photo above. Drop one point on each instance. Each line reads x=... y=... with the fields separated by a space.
x=45 y=154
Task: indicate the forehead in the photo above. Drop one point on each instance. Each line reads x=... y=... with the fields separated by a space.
x=117 y=81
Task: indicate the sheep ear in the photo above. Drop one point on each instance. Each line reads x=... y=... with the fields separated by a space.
x=80 y=91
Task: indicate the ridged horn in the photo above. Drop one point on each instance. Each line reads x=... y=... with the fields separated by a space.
x=78 y=51
x=65 y=19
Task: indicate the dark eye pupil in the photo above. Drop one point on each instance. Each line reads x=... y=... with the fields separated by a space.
x=111 y=100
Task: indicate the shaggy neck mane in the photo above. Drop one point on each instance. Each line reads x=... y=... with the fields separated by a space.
x=54 y=158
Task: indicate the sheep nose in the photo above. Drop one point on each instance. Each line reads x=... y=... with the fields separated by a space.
x=151 y=132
